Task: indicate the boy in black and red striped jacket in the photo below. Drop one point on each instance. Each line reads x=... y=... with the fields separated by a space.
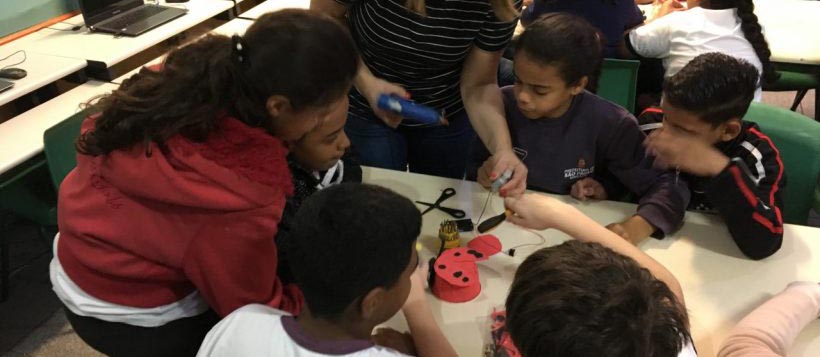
x=730 y=166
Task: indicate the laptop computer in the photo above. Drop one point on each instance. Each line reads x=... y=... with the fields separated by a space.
x=125 y=17
x=4 y=85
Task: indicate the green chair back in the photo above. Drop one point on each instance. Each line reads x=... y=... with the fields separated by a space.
x=59 y=147
x=792 y=81
x=816 y=205
x=798 y=140
x=26 y=192
x=617 y=82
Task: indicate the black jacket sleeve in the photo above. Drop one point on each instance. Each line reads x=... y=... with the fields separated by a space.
x=752 y=203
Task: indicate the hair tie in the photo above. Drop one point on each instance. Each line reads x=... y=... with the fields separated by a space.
x=239 y=49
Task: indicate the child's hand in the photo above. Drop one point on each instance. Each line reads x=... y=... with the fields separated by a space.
x=661 y=8
x=418 y=282
x=588 y=188
x=635 y=229
x=375 y=87
x=685 y=152
x=495 y=166
x=388 y=337
x=536 y=211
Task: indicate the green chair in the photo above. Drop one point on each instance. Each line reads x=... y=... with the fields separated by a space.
x=26 y=192
x=618 y=80
x=798 y=140
x=816 y=205
x=29 y=190
x=59 y=147
x=817 y=196
x=795 y=81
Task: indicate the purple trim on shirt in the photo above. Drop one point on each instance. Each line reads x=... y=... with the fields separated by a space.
x=343 y=347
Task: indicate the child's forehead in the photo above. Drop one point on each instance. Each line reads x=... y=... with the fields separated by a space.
x=525 y=66
x=328 y=124
x=678 y=113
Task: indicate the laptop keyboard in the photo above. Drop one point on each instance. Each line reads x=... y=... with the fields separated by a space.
x=134 y=16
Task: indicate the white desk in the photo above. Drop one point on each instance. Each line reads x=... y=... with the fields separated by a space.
x=235 y=26
x=105 y=50
x=719 y=284
x=42 y=70
x=792 y=29
x=274 y=5
x=22 y=136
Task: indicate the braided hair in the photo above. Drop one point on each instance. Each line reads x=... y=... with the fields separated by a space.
x=751 y=30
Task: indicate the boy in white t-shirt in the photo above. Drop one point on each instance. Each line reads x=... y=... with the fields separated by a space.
x=353 y=254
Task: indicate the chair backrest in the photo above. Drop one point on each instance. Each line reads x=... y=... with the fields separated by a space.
x=798 y=140
x=618 y=80
x=59 y=147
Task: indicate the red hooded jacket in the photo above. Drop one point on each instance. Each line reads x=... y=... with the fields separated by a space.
x=147 y=231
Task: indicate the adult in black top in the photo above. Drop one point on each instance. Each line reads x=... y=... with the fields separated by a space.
x=441 y=53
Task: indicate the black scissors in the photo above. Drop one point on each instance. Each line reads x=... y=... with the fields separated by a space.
x=447 y=193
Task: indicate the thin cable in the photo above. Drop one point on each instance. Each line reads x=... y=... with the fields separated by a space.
x=511 y=251
x=475 y=225
x=14 y=64
x=69 y=29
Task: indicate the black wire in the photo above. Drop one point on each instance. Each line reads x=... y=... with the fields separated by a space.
x=14 y=64
x=70 y=29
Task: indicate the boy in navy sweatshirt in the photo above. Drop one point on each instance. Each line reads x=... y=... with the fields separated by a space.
x=730 y=166
x=576 y=142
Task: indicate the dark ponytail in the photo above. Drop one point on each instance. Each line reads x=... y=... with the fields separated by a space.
x=752 y=31
x=304 y=56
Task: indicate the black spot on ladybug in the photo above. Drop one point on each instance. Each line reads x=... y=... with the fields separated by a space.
x=475 y=253
x=465 y=279
x=442 y=266
x=458 y=254
x=457 y=274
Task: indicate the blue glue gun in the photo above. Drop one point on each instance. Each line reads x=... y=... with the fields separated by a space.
x=409 y=109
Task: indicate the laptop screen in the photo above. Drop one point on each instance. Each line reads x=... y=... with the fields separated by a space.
x=95 y=11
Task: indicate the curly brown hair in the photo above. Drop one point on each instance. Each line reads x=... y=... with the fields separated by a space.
x=583 y=299
x=304 y=56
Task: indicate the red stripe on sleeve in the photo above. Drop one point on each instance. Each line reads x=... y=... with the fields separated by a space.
x=750 y=196
x=767 y=223
x=652 y=110
x=776 y=184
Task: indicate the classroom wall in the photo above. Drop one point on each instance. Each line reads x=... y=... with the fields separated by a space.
x=16 y=15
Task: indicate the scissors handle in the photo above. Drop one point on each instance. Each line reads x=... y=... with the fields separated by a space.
x=447 y=193
x=456 y=213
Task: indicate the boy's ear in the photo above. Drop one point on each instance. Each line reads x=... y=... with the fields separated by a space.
x=582 y=84
x=731 y=129
x=277 y=105
x=370 y=304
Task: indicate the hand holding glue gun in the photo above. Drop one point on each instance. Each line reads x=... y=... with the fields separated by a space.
x=410 y=110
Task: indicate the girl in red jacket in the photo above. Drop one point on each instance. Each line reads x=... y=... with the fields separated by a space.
x=181 y=178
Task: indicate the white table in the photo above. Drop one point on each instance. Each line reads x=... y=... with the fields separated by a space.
x=792 y=29
x=235 y=26
x=22 y=136
x=42 y=71
x=103 y=50
x=274 y=5
x=720 y=285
